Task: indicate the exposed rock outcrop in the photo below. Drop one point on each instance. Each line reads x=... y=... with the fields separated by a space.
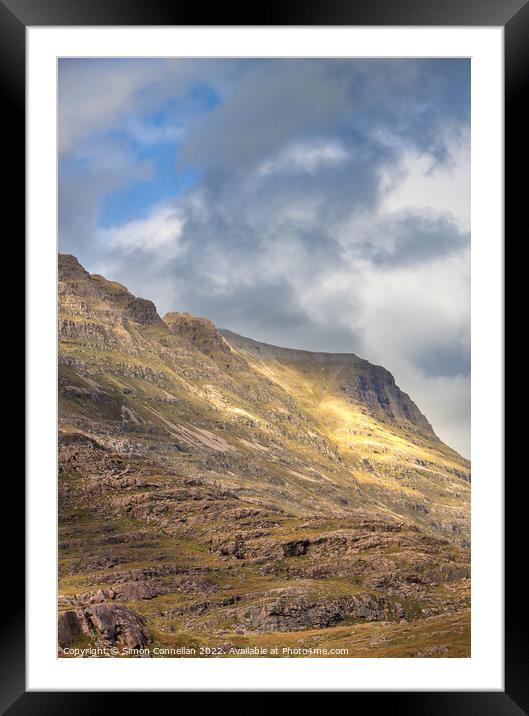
x=143 y=311
x=112 y=624
x=291 y=612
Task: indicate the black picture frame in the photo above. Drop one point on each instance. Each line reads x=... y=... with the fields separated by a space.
x=513 y=15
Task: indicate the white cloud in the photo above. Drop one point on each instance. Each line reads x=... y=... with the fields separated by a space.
x=419 y=183
x=304 y=158
x=160 y=231
x=414 y=314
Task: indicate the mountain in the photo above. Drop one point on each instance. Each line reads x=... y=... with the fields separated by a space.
x=215 y=491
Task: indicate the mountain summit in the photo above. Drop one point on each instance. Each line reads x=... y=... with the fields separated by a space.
x=219 y=485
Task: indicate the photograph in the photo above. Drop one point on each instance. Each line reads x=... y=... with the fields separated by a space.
x=264 y=363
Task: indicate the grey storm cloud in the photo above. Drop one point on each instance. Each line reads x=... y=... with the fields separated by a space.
x=323 y=212
x=413 y=238
x=275 y=102
x=445 y=360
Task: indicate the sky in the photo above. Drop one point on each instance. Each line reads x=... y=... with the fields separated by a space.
x=310 y=203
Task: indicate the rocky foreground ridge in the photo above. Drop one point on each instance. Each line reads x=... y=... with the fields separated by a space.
x=216 y=492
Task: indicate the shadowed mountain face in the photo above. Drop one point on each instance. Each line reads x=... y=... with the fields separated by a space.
x=214 y=490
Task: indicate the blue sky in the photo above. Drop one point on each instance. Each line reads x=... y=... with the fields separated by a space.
x=319 y=204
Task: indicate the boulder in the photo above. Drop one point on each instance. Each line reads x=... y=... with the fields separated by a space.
x=118 y=624
x=131 y=591
x=72 y=624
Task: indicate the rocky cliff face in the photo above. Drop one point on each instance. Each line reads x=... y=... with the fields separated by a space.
x=216 y=490
x=200 y=331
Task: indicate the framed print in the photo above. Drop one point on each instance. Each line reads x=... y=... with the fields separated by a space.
x=265 y=352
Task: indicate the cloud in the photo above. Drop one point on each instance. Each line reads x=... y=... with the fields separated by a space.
x=93 y=97
x=159 y=232
x=101 y=96
x=150 y=133
x=329 y=209
x=99 y=169
x=417 y=307
x=423 y=185
x=304 y=158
